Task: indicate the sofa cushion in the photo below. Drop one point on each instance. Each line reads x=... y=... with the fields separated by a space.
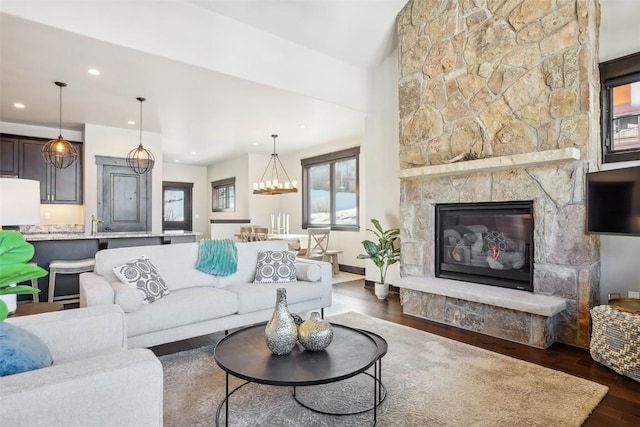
x=253 y=297
x=176 y=263
x=142 y=274
x=183 y=307
x=275 y=267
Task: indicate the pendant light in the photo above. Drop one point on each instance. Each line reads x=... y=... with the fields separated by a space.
x=59 y=153
x=271 y=182
x=140 y=159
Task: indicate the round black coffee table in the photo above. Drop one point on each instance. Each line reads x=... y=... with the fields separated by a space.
x=244 y=354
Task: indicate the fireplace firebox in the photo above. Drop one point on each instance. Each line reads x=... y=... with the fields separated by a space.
x=488 y=243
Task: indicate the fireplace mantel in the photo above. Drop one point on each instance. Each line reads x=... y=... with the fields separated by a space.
x=516 y=161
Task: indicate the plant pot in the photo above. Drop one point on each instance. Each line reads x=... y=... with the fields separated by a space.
x=381 y=290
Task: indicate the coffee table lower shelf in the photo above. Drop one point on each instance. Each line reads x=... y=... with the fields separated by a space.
x=244 y=355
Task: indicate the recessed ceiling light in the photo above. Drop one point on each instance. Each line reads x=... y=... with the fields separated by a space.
x=18 y=105
x=94 y=71
x=255 y=143
x=177 y=161
x=131 y=122
x=303 y=126
x=193 y=152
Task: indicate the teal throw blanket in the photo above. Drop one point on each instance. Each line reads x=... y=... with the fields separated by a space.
x=218 y=257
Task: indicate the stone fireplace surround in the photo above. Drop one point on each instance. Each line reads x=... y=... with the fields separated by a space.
x=520 y=316
x=514 y=85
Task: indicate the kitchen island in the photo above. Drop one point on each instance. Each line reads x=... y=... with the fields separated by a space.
x=74 y=246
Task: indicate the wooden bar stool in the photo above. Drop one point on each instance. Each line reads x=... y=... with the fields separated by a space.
x=67 y=267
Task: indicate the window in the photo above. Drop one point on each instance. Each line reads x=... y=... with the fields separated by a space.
x=223 y=193
x=176 y=205
x=620 y=82
x=330 y=190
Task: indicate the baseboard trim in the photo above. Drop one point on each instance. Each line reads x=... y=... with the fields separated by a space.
x=369 y=284
x=351 y=269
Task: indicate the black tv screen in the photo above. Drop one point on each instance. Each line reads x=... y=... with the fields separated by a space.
x=613 y=201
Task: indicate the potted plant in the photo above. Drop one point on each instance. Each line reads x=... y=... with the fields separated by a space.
x=15 y=254
x=383 y=254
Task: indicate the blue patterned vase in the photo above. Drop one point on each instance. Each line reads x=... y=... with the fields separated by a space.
x=281 y=333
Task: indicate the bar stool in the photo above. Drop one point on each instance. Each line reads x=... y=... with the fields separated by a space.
x=67 y=267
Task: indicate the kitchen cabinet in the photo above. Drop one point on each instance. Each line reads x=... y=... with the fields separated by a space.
x=57 y=186
x=9 y=156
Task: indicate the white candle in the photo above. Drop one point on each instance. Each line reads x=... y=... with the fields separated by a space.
x=272 y=222
x=261 y=185
x=255 y=185
x=279 y=215
x=294 y=184
x=268 y=184
x=286 y=184
x=275 y=183
x=286 y=228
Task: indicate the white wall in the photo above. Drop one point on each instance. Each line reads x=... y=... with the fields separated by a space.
x=201 y=189
x=346 y=241
x=381 y=159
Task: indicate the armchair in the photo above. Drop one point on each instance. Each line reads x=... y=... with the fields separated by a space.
x=94 y=379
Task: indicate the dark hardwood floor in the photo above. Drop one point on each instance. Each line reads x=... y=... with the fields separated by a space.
x=620 y=407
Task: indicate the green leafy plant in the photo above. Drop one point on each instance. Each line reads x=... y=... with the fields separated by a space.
x=15 y=254
x=384 y=253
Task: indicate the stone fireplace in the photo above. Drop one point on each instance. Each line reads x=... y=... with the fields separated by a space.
x=499 y=102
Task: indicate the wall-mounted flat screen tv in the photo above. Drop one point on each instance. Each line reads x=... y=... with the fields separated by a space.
x=613 y=201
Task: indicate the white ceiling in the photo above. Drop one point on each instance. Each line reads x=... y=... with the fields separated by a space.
x=218 y=75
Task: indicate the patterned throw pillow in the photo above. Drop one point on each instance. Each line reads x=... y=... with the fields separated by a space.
x=142 y=275
x=276 y=267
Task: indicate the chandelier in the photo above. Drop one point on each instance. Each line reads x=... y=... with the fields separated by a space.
x=59 y=153
x=140 y=159
x=271 y=182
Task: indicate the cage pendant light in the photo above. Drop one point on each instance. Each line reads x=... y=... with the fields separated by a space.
x=140 y=159
x=58 y=152
x=272 y=178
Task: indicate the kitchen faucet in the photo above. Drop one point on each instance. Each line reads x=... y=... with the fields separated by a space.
x=94 y=225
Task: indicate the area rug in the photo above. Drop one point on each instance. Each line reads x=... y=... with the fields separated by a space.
x=430 y=381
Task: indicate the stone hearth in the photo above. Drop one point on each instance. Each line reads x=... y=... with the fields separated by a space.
x=513 y=84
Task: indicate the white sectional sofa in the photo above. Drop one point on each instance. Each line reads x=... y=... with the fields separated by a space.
x=198 y=303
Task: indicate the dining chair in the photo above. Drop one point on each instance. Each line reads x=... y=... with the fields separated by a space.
x=261 y=233
x=318 y=247
x=246 y=233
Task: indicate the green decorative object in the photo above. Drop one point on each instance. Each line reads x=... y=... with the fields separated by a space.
x=15 y=254
x=383 y=253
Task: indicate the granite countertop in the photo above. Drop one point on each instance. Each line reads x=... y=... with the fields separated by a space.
x=110 y=235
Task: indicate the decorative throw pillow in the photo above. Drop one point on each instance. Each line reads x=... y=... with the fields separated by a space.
x=275 y=267
x=21 y=350
x=142 y=275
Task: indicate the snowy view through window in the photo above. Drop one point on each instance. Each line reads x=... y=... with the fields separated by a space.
x=344 y=190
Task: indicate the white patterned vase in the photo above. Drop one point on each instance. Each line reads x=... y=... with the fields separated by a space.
x=315 y=334
x=281 y=333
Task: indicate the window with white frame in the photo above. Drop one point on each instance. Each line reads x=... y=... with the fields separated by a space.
x=330 y=188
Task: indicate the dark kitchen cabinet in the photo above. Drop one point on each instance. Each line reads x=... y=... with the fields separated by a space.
x=9 y=156
x=57 y=186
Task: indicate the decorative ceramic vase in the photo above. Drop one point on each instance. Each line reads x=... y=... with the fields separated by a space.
x=315 y=334
x=281 y=333
x=381 y=290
